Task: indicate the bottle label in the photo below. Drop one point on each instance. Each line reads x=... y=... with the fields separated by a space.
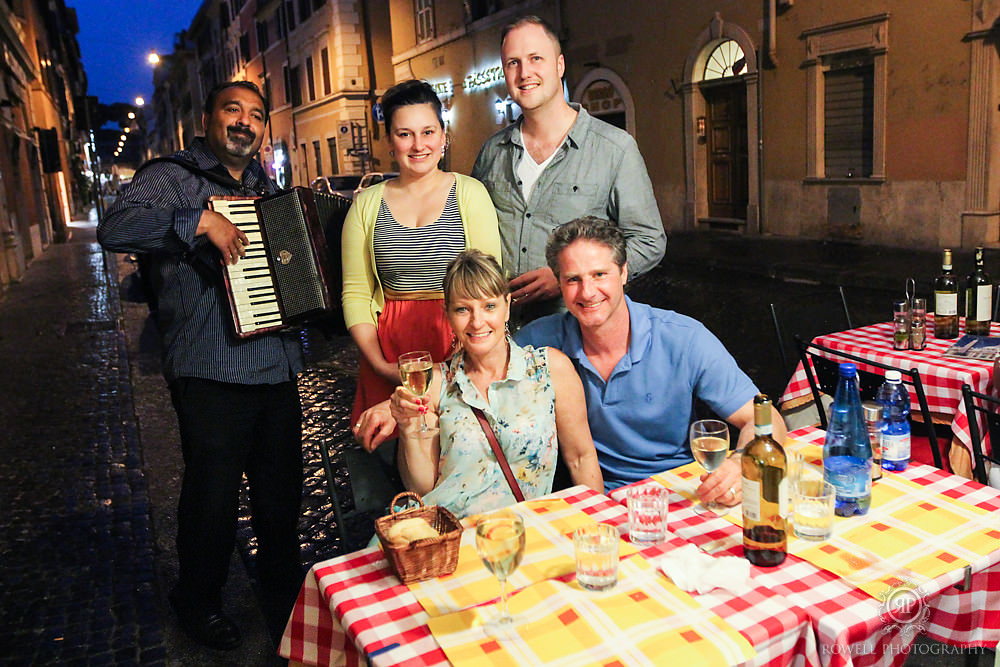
x=763 y=429
x=984 y=302
x=751 y=500
x=784 y=494
x=895 y=447
x=945 y=303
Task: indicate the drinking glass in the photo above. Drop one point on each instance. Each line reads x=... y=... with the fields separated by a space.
x=710 y=447
x=500 y=543
x=813 y=509
x=416 y=370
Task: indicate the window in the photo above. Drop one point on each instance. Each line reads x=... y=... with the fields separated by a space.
x=305 y=9
x=424 y=13
x=847 y=110
x=318 y=4
x=725 y=60
x=310 y=79
x=290 y=14
x=477 y=9
x=223 y=16
x=319 y=158
x=846 y=81
x=325 y=64
x=305 y=165
x=263 y=40
x=244 y=48
x=331 y=146
x=295 y=86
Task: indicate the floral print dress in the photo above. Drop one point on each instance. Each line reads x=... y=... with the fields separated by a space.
x=521 y=410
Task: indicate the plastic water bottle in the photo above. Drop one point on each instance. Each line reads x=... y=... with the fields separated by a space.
x=847 y=450
x=895 y=428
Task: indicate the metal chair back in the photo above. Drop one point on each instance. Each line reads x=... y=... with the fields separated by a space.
x=989 y=408
x=807 y=316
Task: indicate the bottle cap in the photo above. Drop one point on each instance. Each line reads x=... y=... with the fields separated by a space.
x=848 y=370
x=872 y=410
x=893 y=376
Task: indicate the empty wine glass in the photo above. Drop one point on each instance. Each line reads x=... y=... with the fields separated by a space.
x=416 y=370
x=710 y=446
x=500 y=543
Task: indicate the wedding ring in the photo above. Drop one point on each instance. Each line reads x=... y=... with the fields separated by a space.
x=732 y=490
x=357 y=426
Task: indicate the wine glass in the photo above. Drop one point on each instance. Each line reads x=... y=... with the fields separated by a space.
x=416 y=370
x=500 y=543
x=710 y=446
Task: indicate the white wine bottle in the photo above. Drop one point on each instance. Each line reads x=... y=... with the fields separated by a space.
x=978 y=299
x=765 y=492
x=946 y=300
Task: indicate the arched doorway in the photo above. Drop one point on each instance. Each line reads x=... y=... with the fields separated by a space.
x=721 y=129
x=604 y=95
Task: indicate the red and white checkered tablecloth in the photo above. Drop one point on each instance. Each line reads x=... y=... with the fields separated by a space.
x=354 y=603
x=941 y=376
x=851 y=627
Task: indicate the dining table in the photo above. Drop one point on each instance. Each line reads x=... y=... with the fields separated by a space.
x=942 y=377
x=925 y=560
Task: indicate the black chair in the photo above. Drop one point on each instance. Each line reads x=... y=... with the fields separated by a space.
x=822 y=366
x=807 y=316
x=373 y=480
x=989 y=408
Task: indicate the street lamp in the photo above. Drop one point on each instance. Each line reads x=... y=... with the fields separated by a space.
x=153 y=59
x=139 y=101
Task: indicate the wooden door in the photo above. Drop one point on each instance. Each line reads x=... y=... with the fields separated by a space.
x=726 y=137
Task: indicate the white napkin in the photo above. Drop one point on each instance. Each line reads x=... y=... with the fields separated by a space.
x=692 y=570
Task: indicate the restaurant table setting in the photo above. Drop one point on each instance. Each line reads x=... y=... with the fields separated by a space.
x=942 y=376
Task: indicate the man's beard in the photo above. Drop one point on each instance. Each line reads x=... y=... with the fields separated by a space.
x=240 y=144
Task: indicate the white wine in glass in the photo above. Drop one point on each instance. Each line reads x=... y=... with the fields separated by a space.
x=710 y=447
x=416 y=370
x=500 y=543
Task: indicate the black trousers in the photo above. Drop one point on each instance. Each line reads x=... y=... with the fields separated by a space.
x=228 y=430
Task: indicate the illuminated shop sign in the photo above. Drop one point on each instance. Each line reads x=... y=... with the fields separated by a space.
x=601 y=97
x=443 y=88
x=483 y=78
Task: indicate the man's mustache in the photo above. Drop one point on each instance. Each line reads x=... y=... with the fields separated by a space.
x=242 y=130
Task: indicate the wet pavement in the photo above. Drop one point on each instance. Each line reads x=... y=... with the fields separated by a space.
x=90 y=465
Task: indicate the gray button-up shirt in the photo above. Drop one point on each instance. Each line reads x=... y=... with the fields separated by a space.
x=158 y=214
x=597 y=171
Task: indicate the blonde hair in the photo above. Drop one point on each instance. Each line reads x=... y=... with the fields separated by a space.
x=474 y=275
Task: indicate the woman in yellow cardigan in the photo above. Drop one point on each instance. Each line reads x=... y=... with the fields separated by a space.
x=398 y=239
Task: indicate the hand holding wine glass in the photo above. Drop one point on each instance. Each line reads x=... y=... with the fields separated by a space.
x=416 y=370
x=500 y=543
x=709 y=446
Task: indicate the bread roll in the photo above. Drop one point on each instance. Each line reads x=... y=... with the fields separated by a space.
x=405 y=531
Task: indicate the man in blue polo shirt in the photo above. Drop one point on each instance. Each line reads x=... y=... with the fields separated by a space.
x=641 y=367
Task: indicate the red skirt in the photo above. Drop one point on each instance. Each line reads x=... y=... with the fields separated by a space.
x=403 y=326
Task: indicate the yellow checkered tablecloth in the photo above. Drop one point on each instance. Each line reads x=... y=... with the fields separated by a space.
x=548 y=525
x=909 y=536
x=644 y=620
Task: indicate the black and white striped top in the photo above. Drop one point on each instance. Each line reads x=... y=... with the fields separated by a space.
x=410 y=259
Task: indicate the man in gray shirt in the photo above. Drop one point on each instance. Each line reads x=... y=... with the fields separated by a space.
x=555 y=164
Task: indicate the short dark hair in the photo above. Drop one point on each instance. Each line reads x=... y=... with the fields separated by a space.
x=405 y=93
x=531 y=19
x=588 y=228
x=213 y=95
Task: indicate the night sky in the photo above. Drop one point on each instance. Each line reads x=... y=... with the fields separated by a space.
x=116 y=36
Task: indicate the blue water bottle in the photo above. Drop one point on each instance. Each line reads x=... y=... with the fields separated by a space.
x=847 y=450
x=895 y=427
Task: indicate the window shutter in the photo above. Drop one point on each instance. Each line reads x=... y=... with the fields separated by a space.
x=849 y=113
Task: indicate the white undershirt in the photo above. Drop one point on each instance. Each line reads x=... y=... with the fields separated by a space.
x=528 y=172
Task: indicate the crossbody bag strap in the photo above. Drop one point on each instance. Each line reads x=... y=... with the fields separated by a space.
x=498 y=453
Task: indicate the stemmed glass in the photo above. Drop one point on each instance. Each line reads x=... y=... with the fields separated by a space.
x=500 y=543
x=710 y=446
x=416 y=370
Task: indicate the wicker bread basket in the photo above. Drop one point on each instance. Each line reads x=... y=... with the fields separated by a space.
x=427 y=558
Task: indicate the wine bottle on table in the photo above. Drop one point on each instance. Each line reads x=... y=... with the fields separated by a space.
x=765 y=492
x=978 y=299
x=946 y=300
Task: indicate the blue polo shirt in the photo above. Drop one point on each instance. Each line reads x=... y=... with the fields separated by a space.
x=639 y=418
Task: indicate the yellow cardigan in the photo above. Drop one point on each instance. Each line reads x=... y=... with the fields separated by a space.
x=362 y=294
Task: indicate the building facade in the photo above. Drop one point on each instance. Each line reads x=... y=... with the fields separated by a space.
x=787 y=117
x=42 y=135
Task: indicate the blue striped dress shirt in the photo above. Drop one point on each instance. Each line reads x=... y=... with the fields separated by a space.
x=158 y=214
